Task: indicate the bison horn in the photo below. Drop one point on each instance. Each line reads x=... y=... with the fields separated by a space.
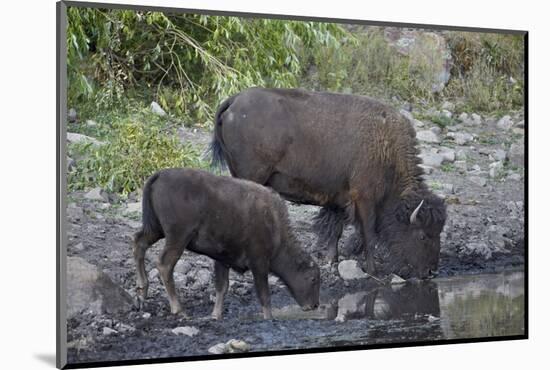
x=415 y=212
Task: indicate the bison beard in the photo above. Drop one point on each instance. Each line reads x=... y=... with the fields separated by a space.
x=352 y=155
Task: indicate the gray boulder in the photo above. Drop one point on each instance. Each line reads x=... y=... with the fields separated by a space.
x=350 y=270
x=516 y=154
x=428 y=136
x=461 y=138
x=74 y=138
x=431 y=159
x=505 y=123
x=157 y=109
x=97 y=194
x=90 y=289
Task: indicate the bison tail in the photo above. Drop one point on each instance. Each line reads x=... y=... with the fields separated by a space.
x=217 y=149
x=329 y=222
x=151 y=224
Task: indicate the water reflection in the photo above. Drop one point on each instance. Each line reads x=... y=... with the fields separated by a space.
x=456 y=307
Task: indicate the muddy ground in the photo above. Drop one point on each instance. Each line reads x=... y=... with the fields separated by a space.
x=483 y=234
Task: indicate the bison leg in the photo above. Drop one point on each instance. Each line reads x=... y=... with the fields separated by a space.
x=367 y=219
x=167 y=260
x=221 y=282
x=142 y=242
x=328 y=225
x=262 y=288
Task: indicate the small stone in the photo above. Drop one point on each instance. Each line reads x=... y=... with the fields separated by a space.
x=460 y=138
x=153 y=274
x=235 y=345
x=407 y=115
x=446 y=113
x=462 y=166
x=432 y=318
x=448 y=155
x=476 y=119
x=74 y=138
x=480 y=181
x=478 y=248
x=464 y=118
x=202 y=278
x=146 y=315
x=157 y=109
x=514 y=177
x=461 y=155
x=498 y=155
x=133 y=207
x=448 y=188
x=396 y=279
x=217 y=349
x=97 y=194
x=190 y=331
x=431 y=159
x=427 y=169
x=79 y=247
x=428 y=136
x=495 y=169
x=71 y=115
x=109 y=331
x=350 y=269
x=436 y=130
x=505 y=123
x=418 y=123
x=516 y=154
x=91 y=123
x=74 y=212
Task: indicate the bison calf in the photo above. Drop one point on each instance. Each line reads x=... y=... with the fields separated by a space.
x=240 y=224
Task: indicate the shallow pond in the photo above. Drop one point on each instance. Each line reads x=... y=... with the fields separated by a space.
x=472 y=306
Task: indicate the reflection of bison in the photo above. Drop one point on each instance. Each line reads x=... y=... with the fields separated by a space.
x=239 y=224
x=342 y=152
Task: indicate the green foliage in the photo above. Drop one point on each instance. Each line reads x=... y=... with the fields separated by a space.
x=487 y=71
x=134 y=149
x=447 y=167
x=187 y=62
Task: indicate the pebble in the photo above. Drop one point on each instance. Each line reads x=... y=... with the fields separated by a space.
x=428 y=136
x=505 y=123
x=190 y=331
x=350 y=269
x=157 y=109
x=109 y=331
x=217 y=349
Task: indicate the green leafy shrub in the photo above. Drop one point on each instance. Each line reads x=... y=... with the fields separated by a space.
x=133 y=151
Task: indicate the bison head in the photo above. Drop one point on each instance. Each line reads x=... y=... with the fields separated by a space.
x=409 y=235
x=303 y=278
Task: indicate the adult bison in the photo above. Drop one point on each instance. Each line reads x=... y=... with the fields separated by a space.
x=239 y=224
x=350 y=154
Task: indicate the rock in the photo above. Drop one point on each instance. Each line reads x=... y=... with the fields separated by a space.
x=432 y=318
x=447 y=105
x=427 y=169
x=74 y=138
x=428 y=136
x=79 y=247
x=505 y=123
x=202 y=279
x=436 y=130
x=190 y=331
x=97 y=194
x=498 y=155
x=396 y=279
x=464 y=118
x=74 y=212
x=448 y=155
x=477 y=248
x=407 y=115
x=146 y=315
x=134 y=207
x=125 y=328
x=480 y=181
x=496 y=235
x=431 y=159
x=460 y=138
x=448 y=188
x=71 y=115
x=514 y=177
x=445 y=113
x=418 y=124
x=155 y=108
x=427 y=50
x=461 y=155
x=518 y=131
x=109 y=331
x=516 y=154
x=91 y=123
x=90 y=289
x=236 y=346
x=183 y=266
x=351 y=306
x=217 y=349
x=495 y=169
x=153 y=274
x=71 y=164
x=350 y=269
x=462 y=166
x=476 y=119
